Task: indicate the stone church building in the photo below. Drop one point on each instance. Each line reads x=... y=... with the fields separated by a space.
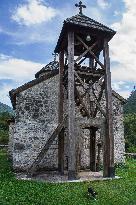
x=33 y=133
x=36 y=116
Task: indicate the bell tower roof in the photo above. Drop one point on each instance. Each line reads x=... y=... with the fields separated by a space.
x=83 y=24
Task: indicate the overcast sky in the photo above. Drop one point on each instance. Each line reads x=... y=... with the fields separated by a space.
x=29 y=30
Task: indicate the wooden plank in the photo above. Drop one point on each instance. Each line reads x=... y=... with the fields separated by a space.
x=80 y=80
x=81 y=102
x=72 y=170
x=33 y=167
x=81 y=56
x=81 y=61
x=99 y=99
x=109 y=139
x=91 y=62
x=92 y=149
x=60 y=114
x=89 y=74
x=98 y=104
x=98 y=161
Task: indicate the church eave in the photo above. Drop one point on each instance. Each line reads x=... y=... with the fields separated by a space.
x=119 y=97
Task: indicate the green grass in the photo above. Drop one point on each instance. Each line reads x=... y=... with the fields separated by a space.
x=17 y=192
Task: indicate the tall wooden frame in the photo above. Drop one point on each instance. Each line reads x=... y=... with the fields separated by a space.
x=73 y=41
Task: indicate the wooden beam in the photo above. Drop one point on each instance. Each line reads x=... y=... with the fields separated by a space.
x=81 y=102
x=88 y=50
x=92 y=149
x=89 y=73
x=72 y=169
x=98 y=104
x=32 y=169
x=92 y=54
x=99 y=99
x=81 y=56
x=98 y=161
x=81 y=61
x=91 y=62
x=60 y=114
x=109 y=138
x=80 y=80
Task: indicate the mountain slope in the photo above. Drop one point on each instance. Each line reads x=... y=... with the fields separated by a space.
x=130 y=106
x=5 y=108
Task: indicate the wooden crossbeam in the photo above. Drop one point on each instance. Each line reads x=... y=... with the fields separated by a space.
x=98 y=104
x=92 y=54
x=95 y=97
x=89 y=74
x=99 y=99
x=100 y=82
x=33 y=167
x=80 y=80
x=85 y=52
x=81 y=61
x=81 y=56
x=81 y=101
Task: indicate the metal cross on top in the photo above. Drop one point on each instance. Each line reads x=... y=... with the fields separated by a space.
x=81 y=6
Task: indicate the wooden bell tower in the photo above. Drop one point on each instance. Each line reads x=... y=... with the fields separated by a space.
x=84 y=40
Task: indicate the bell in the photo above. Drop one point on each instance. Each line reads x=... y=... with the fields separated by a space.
x=88 y=38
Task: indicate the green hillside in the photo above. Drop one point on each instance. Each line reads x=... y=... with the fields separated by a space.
x=5 y=108
x=130 y=106
x=130 y=122
x=5 y=113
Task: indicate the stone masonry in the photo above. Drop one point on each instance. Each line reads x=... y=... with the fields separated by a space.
x=36 y=117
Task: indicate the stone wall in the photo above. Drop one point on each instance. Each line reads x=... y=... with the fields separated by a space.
x=35 y=120
x=37 y=117
x=118 y=128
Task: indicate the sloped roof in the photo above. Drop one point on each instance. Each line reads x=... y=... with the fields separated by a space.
x=38 y=80
x=81 y=20
x=53 y=65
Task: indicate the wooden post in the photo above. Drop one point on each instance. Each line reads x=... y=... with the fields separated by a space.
x=72 y=174
x=98 y=158
x=109 y=138
x=92 y=149
x=91 y=62
x=60 y=114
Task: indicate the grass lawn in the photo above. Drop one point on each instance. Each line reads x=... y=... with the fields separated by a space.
x=17 y=192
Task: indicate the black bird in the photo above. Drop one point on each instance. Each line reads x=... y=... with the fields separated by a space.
x=92 y=193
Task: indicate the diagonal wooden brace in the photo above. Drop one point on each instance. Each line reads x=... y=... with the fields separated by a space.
x=92 y=54
x=88 y=50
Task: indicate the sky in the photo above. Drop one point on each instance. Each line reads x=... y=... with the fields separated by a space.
x=29 y=30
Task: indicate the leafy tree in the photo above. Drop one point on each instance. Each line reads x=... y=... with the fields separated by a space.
x=130 y=132
x=4 y=116
x=130 y=122
x=130 y=106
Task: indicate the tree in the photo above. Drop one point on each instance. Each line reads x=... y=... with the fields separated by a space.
x=130 y=122
x=4 y=116
x=130 y=106
x=130 y=132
